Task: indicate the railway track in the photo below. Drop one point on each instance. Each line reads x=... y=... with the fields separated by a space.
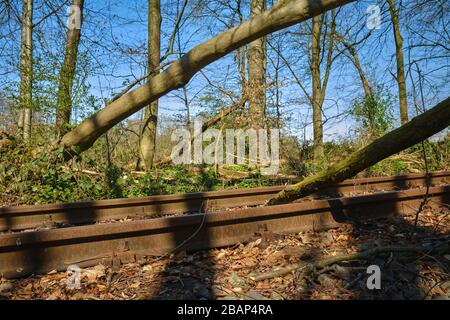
x=40 y=251
x=90 y=212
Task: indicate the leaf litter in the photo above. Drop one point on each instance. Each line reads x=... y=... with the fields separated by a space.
x=227 y=273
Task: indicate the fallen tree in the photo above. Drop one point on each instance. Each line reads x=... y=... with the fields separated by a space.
x=282 y=15
x=409 y=134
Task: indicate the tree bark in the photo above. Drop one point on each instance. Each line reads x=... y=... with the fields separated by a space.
x=257 y=73
x=409 y=134
x=26 y=69
x=147 y=139
x=20 y=120
x=284 y=14
x=365 y=84
x=316 y=87
x=356 y=62
x=319 y=85
x=400 y=77
x=67 y=73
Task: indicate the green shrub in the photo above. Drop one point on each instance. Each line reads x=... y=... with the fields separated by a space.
x=374 y=113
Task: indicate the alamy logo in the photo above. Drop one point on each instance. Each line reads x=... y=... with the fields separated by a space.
x=74 y=19
x=73 y=280
x=227 y=147
x=374 y=18
x=374 y=280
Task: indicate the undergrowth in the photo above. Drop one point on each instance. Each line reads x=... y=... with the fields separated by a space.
x=36 y=177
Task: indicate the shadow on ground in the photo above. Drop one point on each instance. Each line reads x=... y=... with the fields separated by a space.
x=409 y=275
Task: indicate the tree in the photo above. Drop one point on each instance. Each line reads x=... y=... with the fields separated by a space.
x=409 y=134
x=400 y=76
x=147 y=139
x=373 y=113
x=320 y=39
x=257 y=72
x=319 y=87
x=282 y=15
x=67 y=72
x=373 y=110
x=354 y=58
x=26 y=69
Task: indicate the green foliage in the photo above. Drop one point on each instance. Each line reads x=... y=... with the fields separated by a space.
x=43 y=177
x=39 y=177
x=238 y=167
x=388 y=167
x=45 y=87
x=179 y=180
x=374 y=114
x=30 y=177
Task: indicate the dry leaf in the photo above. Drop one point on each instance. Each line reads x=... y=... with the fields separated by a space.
x=147 y=268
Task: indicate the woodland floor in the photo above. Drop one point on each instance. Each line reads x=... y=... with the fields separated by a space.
x=225 y=273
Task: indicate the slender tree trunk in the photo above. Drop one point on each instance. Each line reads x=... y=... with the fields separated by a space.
x=364 y=82
x=26 y=69
x=409 y=134
x=257 y=73
x=147 y=143
x=368 y=92
x=400 y=77
x=355 y=60
x=241 y=67
x=67 y=73
x=282 y=15
x=20 y=120
x=316 y=87
x=277 y=92
x=186 y=105
x=185 y=91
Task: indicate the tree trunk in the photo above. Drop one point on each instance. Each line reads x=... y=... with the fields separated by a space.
x=26 y=69
x=67 y=73
x=316 y=87
x=401 y=82
x=277 y=90
x=284 y=14
x=147 y=140
x=257 y=73
x=355 y=60
x=364 y=82
x=20 y=120
x=409 y=134
x=185 y=97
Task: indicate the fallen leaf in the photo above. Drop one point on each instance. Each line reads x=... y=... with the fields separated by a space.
x=221 y=255
x=97 y=272
x=236 y=281
x=147 y=268
x=6 y=287
x=55 y=295
x=28 y=288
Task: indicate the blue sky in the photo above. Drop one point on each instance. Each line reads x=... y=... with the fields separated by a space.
x=112 y=22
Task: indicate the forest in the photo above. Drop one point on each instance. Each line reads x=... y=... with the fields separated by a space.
x=107 y=99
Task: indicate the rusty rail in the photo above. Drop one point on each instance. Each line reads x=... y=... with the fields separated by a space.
x=90 y=212
x=34 y=252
